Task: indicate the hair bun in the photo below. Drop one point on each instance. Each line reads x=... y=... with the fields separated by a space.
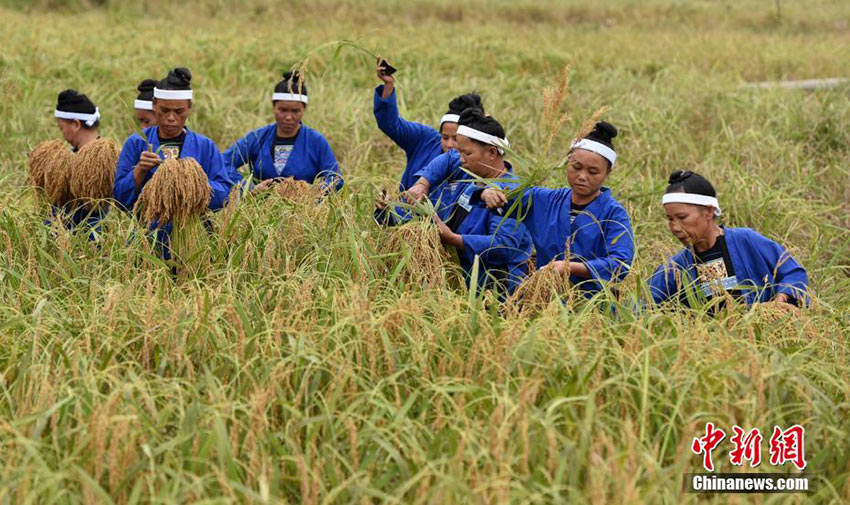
x=70 y=96
x=146 y=85
x=471 y=115
x=463 y=102
x=603 y=131
x=679 y=176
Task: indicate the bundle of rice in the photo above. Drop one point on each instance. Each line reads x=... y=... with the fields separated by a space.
x=537 y=290
x=783 y=323
x=297 y=191
x=49 y=169
x=177 y=191
x=427 y=258
x=93 y=171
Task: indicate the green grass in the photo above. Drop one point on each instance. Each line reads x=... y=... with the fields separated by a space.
x=296 y=366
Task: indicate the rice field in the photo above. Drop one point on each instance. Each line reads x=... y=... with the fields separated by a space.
x=305 y=355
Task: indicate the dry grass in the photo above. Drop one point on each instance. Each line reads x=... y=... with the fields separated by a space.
x=178 y=190
x=93 y=171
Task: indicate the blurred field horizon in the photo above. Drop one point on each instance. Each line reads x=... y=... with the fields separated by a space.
x=298 y=365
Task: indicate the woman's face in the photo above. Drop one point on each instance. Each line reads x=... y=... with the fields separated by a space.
x=480 y=159
x=448 y=136
x=586 y=172
x=69 y=129
x=171 y=116
x=287 y=115
x=689 y=223
x=145 y=118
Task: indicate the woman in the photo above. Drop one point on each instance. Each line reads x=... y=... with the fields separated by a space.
x=170 y=138
x=502 y=245
x=78 y=118
x=581 y=231
x=144 y=104
x=287 y=147
x=421 y=143
x=716 y=259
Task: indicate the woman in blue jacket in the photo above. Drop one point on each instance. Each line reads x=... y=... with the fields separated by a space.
x=716 y=259
x=287 y=147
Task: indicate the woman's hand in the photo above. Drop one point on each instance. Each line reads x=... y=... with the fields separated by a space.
x=382 y=201
x=447 y=236
x=418 y=191
x=493 y=198
x=262 y=186
x=388 y=80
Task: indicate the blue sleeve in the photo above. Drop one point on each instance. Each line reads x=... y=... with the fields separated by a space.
x=620 y=245
x=392 y=216
x=789 y=277
x=329 y=170
x=406 y=134
x=663 y=283
x=220 y=178
x=502 y=245
x=124 y=187
x=242 y=152
x=437 y=170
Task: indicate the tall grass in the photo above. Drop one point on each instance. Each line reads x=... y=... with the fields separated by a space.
x=296 y=364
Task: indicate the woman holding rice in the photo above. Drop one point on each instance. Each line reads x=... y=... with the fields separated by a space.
x=581 y=231
x=287 y=147
x=716 y=259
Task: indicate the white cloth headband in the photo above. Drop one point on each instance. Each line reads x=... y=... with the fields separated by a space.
x=291 y=97
x=88 y=119
x=143 y=104
x=596 y=147
x=449 y=118
x=172 y=94
x=693 y=199
x=492 y=140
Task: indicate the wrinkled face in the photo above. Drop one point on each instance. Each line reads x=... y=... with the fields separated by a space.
x=689 y=223
x=448 y=136
x=480 y=159
x=171 y=116
x=287 y=115
x=69 y=128
x=145 y=118
x=586 y=172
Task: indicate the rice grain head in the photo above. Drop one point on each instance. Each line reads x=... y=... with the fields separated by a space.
x=178 y=190
x=297 y=191
x=428 y=260
x=93 y=172
x=49 y=165
x=537 y=290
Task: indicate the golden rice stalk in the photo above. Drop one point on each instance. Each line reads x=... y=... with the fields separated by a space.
x=43 y=158
x=428 y=260
x=178 y=190
x=784 y=323
x=57 y=178
x=297 y=191
x=537 y=290
x=590 y=123
x=189 y=245
x=93 y=171
x=553 y=103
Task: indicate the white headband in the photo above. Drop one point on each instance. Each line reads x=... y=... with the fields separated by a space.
x=693 y=199
x=596 y=147
x=492 y=140
x=291 y=97
x=143 y=104
x=172 y=94
x=449 y=118
x=88 y=119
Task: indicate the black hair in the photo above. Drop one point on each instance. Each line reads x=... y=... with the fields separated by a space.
x=682 y=181
x=463 y=102
x=293 y=82
x=71 y=100
x=177 y=79
x=604 y=133
x=146 y=90
x=476 y=119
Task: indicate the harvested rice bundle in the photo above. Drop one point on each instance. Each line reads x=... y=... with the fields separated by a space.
x=178 y=190
x=428 y=259
x=537 y=290
x=93 y=172
x=297 y=191
x=57 y=176
x=785 y=321
x=43 y=163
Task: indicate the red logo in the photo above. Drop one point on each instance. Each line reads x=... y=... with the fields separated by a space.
x=704 y=445
x=786 y=446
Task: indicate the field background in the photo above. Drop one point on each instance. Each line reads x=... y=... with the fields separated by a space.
x=296 y=367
